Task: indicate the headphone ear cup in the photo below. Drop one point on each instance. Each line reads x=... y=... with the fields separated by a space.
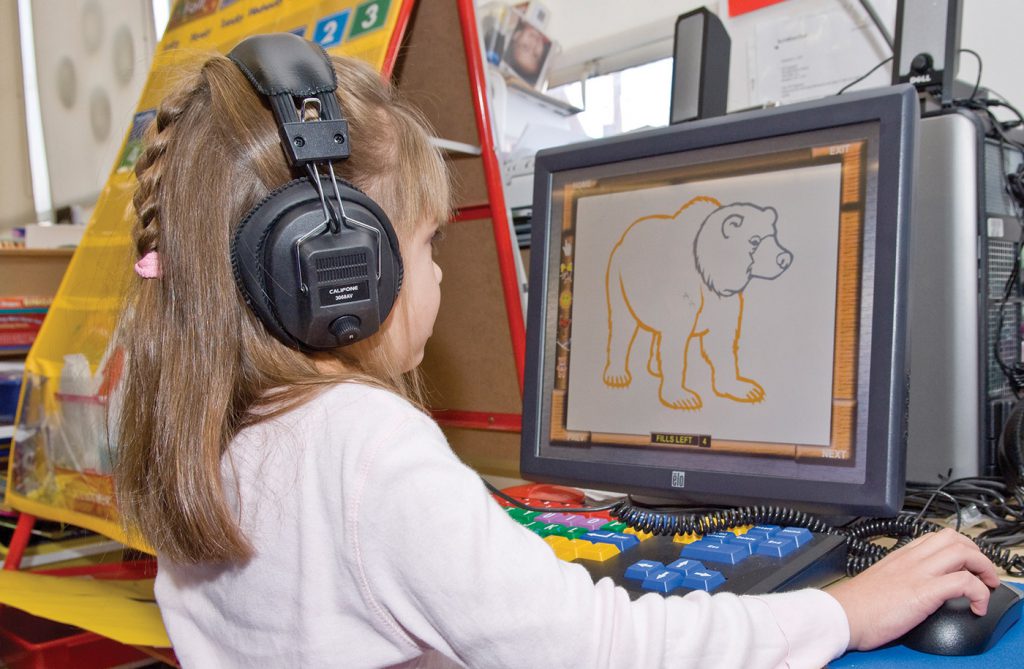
x=311 y=288
x=387 y=228
x=1011 y=448
x=392 y=250
x=248 y=262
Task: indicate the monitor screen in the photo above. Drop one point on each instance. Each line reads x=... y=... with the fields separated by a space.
x=717 y=309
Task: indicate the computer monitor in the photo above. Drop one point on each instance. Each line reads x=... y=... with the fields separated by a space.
x=717 y=310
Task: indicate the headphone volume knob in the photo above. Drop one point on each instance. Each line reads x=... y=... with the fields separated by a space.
x=346 y=328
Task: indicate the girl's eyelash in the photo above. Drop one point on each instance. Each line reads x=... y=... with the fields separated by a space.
x=436 y=237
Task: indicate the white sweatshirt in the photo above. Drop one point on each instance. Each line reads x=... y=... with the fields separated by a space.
x=375 y=546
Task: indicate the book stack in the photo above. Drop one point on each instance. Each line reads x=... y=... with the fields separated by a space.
x=20 y=320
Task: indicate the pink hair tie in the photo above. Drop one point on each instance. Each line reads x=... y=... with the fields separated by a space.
x=148 y=266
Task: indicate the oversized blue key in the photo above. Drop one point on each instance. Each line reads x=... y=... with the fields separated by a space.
x=777 y=546
x=706 y=580
x=644 y=568
x=801 y=535
x=663 y=581
x=712 y=552
x=750 y=542
x=766 y=531
x=684 y=566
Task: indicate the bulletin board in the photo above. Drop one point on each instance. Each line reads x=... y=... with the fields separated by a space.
x=793 y=50
x=473 y=361
x=61 y=469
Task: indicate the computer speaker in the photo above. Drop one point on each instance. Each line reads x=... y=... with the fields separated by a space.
x=928 y=45
x=700 y=67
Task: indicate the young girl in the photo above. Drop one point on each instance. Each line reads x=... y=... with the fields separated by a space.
x=306 y=511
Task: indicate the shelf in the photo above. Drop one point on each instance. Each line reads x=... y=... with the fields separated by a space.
x=36 y=253
x=559 y=106
x=455 y=147
x=32 y=272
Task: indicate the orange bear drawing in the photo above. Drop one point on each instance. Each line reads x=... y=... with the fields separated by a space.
x=706 y=253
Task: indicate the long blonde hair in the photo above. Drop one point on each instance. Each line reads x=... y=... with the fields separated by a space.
x=200 y=366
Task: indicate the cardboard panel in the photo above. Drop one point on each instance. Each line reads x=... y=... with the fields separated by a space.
x=469 y=363
x=470 y=185
x=431 y=71
x=493 y=453
x=32 y=273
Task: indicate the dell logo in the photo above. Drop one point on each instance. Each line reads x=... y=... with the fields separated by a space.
x=678 y=479
x=921 y=79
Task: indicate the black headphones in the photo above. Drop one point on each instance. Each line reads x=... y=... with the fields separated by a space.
x=316 y=260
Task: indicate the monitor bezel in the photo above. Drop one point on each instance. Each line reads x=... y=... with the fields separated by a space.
x=895 y=109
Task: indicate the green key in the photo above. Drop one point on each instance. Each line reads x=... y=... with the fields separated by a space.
x=531 y=525
x=552 y=528
x=575 y=532
x=522 y=515
x=615 y=526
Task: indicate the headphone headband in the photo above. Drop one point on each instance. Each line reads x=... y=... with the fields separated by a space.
x=317 y=260
x=284 y=67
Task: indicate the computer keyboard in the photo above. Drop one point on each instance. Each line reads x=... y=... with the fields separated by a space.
x=745 y=560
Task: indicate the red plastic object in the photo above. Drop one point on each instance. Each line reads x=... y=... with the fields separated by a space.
x=401 y=25
x=495 y=188
x=19 y=541
x=132 y=570
x=545 y=494
x=28 y=642
x=479 y=420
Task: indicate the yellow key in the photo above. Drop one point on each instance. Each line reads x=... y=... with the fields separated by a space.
x=566 y=553
x=640 y=534
x=564 y=550
x=687 y=538
x=596 y=552
x=555 y=541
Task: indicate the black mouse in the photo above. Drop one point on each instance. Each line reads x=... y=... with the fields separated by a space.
x=955 y=630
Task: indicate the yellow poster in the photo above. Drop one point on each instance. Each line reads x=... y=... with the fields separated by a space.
x=61 y=459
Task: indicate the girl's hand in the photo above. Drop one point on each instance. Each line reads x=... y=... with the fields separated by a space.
x=895 y=594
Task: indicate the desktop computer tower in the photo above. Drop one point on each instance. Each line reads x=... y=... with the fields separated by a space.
x=964 y=241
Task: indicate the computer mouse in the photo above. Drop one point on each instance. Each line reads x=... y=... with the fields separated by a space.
x=956 y=630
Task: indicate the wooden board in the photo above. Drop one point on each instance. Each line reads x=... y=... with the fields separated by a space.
x=35 y=273
x=468 y=363
x=493 y=453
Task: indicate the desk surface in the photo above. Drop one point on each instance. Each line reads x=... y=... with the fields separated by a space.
x=1006 y=653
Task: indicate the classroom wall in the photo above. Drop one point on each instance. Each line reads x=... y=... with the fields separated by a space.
x=993 y=29
x=614 y=34
x=988 y=27
x=92 y=60
x=16 y=205
x=611 y=32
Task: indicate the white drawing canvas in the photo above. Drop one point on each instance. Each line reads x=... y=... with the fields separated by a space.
x=708 y=308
